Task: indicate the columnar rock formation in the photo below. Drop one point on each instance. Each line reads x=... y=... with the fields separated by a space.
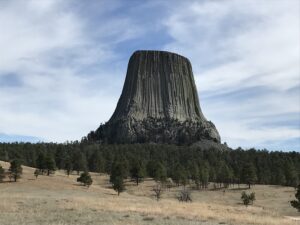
x=159 y=103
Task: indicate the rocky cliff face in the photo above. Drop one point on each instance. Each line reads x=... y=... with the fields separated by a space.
x=159 y=103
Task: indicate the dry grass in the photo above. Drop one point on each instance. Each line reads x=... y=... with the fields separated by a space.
x=60 y=200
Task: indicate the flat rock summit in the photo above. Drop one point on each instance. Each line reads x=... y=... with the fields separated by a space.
x=159 y=103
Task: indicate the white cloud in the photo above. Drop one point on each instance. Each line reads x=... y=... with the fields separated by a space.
x=71 y=70
x=236 y=45
x=53 y=49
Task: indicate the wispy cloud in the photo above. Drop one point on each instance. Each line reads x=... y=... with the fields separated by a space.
x=62 y=64
x=246 y=61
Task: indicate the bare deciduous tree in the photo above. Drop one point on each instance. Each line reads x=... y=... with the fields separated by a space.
x=157 y=191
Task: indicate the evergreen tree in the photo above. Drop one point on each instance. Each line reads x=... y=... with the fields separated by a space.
x=204 y=175
x=15 y=169
x=137 y=171
x=50 y=164
x=60 y=157
x=248 y=198
x=79 y=162
x=119 y=169
x=68 y=166
x=85 y=179
x=296 y=203
x=160 y=173
x=96 y=162
x=180 y=175
x=248 y=174
x=41 y=162
x=280 y=178
x=291 y=175
x=118 y=184
x=2 y=174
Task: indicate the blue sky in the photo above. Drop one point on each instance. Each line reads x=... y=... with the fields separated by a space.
x=63 y=64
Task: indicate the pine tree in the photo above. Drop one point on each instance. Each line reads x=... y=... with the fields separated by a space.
x=41 y=162
x=119 y=169
x=118 y=184
x=137 y=171
x=180 y=175
x=79 y=162
x=96 y=162
x=60 y=157
x=15 y=169
x=296 y=203
x=248 y=198
x=204 y=176
x=50 y=164
x=291 y=175
x=2 y=174
x=280 y=178
x=68 y=166
x=85 y=179
x=249 y=174
x=160 y=173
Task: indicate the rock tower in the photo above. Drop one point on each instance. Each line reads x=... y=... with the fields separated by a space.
x=159 y=103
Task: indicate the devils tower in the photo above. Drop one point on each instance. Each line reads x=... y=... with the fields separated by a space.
x=159 y=103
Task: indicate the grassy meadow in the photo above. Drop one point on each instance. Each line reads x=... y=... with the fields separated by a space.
x=60 y=200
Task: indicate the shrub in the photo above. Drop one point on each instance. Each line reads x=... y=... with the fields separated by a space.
x=248 y=198
x=185 y=196
x=36 y=173
x=296 y=203
x=157 y=191
x=85 y=179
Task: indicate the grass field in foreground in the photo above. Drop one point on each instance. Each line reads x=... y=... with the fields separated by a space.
x=59 y=200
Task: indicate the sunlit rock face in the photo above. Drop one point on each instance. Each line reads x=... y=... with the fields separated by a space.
x=159 y=103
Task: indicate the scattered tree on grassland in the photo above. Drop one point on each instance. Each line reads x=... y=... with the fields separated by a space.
x=248 y=198
x=36 y=173
x=15 y=169
x=2 y=174
x=157 y=191
x=85 y=179
x=119 y=172
x=296 y=203
x=137 y=171
x=119 y=169
x=50 y=164
x=249 y=174
x=185 y=195
x=118 y=184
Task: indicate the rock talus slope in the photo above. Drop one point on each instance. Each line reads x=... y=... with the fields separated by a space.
x=159 y=103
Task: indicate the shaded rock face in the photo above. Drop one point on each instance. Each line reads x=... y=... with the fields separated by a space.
x=159 y=103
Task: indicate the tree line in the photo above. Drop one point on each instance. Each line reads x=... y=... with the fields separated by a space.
x=183 y=164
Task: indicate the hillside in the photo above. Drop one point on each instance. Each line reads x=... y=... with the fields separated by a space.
x=58 y=199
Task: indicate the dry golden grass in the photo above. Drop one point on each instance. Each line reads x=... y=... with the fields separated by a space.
x=58 y=199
